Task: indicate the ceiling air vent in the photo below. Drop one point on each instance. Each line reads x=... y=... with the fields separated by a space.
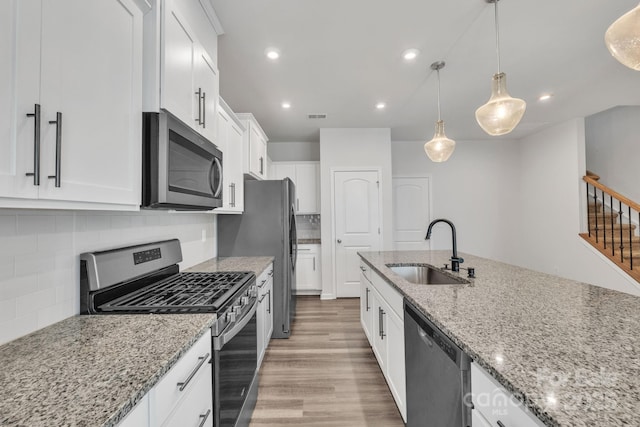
x=317 y=116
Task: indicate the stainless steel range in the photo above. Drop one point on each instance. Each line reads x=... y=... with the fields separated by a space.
x=146 y=279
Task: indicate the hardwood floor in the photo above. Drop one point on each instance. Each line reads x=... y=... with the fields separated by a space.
x=325 y=374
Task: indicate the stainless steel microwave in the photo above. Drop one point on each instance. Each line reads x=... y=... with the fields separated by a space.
x=181 y=169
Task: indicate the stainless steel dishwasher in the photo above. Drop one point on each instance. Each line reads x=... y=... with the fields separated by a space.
x=438 y=375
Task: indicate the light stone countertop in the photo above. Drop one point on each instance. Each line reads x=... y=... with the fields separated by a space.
x=568 y=350
x=88 y=371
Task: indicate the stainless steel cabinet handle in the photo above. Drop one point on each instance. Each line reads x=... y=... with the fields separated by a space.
x=199 y=95
x=298 y=205
x=232 y=189
x=58 y=123
x=201 y=361
x=381 y=314
x=263 y=297
x=500 y=423
x=270 y=272
x=204 y=417
x=367 y=299
x=36 y=144
x=261 y=165
x=303 y=249
x=314 y=263
x=204 y=110
x=262 y=283
x=269 y=303
x=362 y=268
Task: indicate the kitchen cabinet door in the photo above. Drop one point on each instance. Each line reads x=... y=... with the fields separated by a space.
x=178 y=55
x=308 y=270
x=19 y=92
x=85 y=77
x=206 y=81
x=139 y=415
x=255 y=146
x=229 y=139
x=307 y=188
x=91 y=96
x=366 y=308
x=379 y=332
x=395 y=374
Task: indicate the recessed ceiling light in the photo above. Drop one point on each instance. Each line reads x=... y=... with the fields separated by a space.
x=381 y=105
x=410 y=54
x=545 y=97
x=286 y=105
x=272 y=53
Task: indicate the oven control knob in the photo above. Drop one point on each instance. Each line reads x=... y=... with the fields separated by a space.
x=231 y=317
x=236 y=309
x=245 y=300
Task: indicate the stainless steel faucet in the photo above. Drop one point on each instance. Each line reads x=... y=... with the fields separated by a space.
x=455 y=260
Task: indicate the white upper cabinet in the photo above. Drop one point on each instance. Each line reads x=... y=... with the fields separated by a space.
x=181 y=76
x=255 y=146
x=230 y=140
x=306 y=177
x=72 y=91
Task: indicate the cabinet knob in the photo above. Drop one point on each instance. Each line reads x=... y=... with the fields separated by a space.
x=339 y=241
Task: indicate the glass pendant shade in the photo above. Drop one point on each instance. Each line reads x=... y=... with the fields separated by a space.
x=623 y=39
x=440 y=148
x=502 y=113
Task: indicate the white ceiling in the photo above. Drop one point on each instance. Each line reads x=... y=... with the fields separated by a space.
x=341 y=57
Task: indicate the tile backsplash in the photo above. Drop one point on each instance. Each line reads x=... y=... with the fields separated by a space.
x=308 y=226
x=39 y=263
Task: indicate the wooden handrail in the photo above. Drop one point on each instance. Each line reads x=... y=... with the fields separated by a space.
x=593 y=175
x=633 y=205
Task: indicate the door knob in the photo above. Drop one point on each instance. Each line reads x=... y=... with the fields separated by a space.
x=339 y=241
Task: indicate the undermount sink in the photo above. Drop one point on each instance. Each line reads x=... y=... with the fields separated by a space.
x=425 y=275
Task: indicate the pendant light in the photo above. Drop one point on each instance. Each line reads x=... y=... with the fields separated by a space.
x=440 y=148
x=623 y=39
x=502 y=113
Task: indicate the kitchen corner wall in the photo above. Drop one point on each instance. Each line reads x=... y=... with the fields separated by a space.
x=39 y=256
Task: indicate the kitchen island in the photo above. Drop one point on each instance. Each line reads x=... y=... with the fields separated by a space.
x=567 y=350
x=91 y=370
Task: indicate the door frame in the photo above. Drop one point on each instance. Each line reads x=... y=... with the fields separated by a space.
x=333 y=170
x=429 y=178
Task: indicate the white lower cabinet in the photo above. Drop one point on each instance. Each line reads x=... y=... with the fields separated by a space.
x=264 y=318
x=184 y=395
x=381 y=315
x=495 y=406
x=139 y=415
x=308 y=270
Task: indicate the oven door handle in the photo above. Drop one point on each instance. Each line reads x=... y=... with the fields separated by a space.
x=221 y=340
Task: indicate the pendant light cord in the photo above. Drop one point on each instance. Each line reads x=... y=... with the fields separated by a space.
x=497 y=34
x=438 y=71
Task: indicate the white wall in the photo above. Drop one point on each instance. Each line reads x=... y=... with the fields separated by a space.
x=474 y=189
x=293 y=151
x=356 y=148
x=516 y=201
x=40 y=267
x=613 y=149
x=552 y=164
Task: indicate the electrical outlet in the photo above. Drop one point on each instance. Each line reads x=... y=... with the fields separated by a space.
x=204 y=234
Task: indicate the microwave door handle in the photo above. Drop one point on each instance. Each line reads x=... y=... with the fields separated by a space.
x=218 y=167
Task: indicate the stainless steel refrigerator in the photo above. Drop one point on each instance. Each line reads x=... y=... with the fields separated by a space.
x=267 y=228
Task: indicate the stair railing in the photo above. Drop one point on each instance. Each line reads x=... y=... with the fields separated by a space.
x=605 y=202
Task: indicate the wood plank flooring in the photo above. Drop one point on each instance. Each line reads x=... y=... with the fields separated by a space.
x=325 y=374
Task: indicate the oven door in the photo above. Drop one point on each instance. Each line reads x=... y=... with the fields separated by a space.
x=235 y=363
x=182 y=169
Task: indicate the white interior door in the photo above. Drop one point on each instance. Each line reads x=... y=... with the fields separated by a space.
x=411 y=213
x=356 y=206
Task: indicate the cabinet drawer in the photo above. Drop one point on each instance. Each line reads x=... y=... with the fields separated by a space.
x=264 y=277
x=167 y=392
x=388 y=293
x=196 y=409
x=496 y=404
x=366 y=271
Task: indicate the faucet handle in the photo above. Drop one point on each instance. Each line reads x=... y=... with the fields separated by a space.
x=446 y=266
